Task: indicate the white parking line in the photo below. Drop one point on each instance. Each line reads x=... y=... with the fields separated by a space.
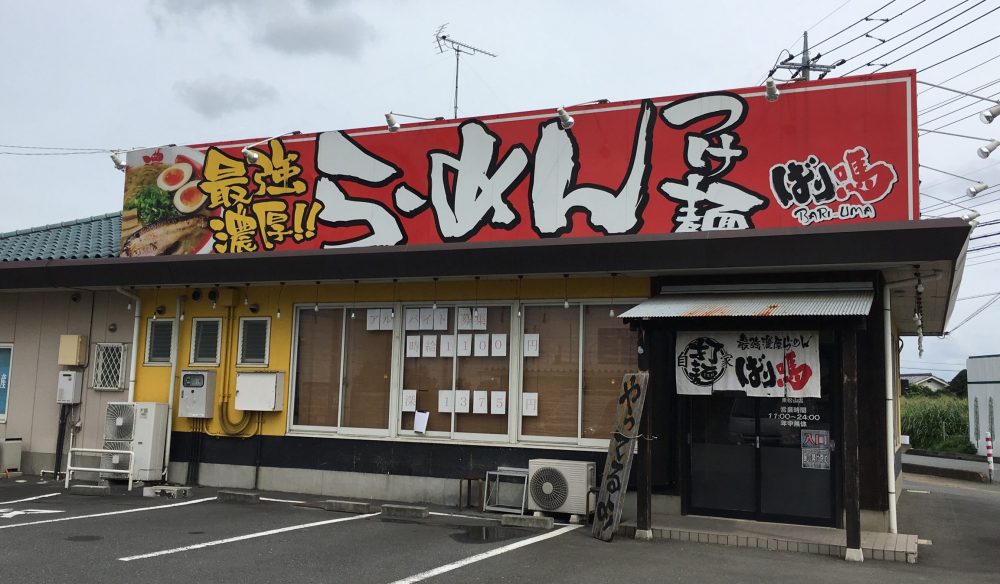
x=280 y=500
x=28 y=499
x=243 y=537
x=484 y=555
x=138 y=510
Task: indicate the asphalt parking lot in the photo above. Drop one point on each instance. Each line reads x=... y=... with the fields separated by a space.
x=48 y=535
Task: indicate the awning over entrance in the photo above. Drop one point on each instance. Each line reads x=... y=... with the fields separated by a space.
x=856 y=302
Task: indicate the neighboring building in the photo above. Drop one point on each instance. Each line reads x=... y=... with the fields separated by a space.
x=928 y=380
x=984 y=398
x=32 y=320
x=501 y=275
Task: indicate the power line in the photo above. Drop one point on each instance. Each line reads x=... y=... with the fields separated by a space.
x=974 y=314
x=947 y=34
x=56 y=148
x=921 y=92
x=894 y=37
x=955 y=98
x=884 y=22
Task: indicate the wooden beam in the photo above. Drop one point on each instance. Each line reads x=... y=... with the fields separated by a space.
x=644 y=473
x=852 y=478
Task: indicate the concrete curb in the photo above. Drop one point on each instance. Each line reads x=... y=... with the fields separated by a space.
x=404 y=512
x=948 y=473
x=225 y=496
x=168 y=492
x=527 y=521
x=346 y=506
x=90 y=490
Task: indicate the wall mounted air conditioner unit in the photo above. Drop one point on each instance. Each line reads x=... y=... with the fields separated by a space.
x=140 y=427
x=560 y=486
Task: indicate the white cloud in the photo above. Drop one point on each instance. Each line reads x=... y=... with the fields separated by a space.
x=216 y=97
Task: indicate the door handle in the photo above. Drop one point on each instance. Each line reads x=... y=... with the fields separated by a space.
x=757 y=440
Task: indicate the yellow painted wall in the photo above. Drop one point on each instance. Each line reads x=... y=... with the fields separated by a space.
x=153 y=381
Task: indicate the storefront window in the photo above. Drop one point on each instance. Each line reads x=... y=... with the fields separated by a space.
x=341 y=370
x=551 y=370
x=558 y=389
x=457 y=361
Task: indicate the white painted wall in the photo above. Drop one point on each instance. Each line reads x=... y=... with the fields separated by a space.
x=984 y=386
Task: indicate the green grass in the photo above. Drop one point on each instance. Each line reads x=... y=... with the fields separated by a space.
x=937 y=423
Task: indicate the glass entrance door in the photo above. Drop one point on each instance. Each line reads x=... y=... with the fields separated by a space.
x=761 y=458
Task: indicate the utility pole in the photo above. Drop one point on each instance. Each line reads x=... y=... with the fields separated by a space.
x=445 y=42
x=807 y=64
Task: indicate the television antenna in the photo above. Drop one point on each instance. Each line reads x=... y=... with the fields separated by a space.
x=446 y=43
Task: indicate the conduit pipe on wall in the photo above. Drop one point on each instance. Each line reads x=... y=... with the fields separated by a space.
x=890 y=389
x=135 y=340
x=174 y=341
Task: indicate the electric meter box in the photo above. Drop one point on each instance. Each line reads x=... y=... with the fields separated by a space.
x=197 y=394
x=70 y=387
x=73 y=350
x=260 y=391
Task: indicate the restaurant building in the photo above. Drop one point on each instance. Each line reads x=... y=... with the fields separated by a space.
x=761 y=259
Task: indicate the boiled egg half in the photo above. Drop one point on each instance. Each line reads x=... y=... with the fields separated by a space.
x=174 y=176
x=189 y=198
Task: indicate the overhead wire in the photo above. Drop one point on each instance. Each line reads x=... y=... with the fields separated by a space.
x=937 y=40
x=896 y=36
x=883 y=22
x=974 y=67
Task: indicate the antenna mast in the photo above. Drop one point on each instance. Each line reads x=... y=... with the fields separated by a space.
x=445 y=43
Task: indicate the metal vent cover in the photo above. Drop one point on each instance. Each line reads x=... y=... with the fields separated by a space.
x=549 y=488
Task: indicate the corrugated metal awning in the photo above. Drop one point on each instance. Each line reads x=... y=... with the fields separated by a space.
x=741 y=304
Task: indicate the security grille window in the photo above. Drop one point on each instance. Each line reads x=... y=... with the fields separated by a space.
x=254 y=341
x=205 y=341
x=109 y=366
x=992 y=427
x=975 y=414
x=158 y=340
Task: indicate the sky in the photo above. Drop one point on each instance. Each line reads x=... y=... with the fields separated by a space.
x=122 y=75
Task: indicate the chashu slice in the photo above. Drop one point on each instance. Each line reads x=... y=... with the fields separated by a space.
x=175 y=236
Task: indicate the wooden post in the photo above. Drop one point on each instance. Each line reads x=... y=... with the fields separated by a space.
x=852 y=479
x=644 y=477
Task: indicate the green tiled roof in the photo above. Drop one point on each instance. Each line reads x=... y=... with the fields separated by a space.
x=93 y=237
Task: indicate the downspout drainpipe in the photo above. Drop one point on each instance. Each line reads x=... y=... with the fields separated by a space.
x=890 y=389
x=890 y=395
x=174 y=338
x=135 y=340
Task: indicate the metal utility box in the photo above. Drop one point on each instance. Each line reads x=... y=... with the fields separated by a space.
x=10 y=455
x=197 y=394
x=260 y=391
x=70 y=387
x=73 y=350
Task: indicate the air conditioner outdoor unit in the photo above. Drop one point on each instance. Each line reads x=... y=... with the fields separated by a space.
x=140 y=427
x=560 y=486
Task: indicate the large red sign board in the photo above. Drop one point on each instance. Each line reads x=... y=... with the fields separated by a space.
x=831 y=151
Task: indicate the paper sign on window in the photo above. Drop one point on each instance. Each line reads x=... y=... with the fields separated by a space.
x=498 y=402
x=498 y=345
x=445 y=403
x=440 y=319
x=464 y=345
x=462 y=400
x=385 y=315
x=426 y=319
x=531 y=345
x=464 y=316
x=479 y=319
x=430 y=346
x=374 y=319
x=529 y=404
x=480 y=402
x=447 y=346
x=412 y=319
x=409 y=400
x=482 y=348
x=413 y=346
x=420 y=421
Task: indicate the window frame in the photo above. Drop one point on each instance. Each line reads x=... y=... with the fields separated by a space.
x=150 y=324
x=341 y=430
x=619 y=304
x=10 y=375
x=267 y=342
x=192 y=358
x=513 y=374
x=98 y=363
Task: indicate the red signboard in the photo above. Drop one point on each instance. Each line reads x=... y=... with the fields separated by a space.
x=831 y=151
